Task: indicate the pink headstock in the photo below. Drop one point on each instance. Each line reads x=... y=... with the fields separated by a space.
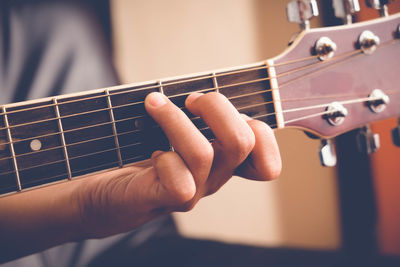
x=309 y=85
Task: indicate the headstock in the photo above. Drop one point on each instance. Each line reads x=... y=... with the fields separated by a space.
x=332 y=80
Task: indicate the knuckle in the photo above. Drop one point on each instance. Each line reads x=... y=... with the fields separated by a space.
x=182 y=195
x=204 y=155
x=241 y=145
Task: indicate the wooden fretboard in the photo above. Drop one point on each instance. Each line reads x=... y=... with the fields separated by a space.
x=64 y=137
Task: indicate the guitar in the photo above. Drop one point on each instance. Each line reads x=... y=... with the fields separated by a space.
x=329 y=81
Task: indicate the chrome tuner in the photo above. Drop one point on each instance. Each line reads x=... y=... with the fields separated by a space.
x=325 y=48
x=379 y=101
x=367 y=141
x=335 y=113
x=368 y=42
x=327 y=153
x=380 y=5
x=301 y=11
x=396 y=134
x=345 y=9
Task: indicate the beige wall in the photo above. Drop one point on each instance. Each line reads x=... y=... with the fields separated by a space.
x=156 y=38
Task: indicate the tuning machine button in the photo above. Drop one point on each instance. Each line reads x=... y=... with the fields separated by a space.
x=344 y=9
x=379 y=101
x=380 y=5
x=368 y=42
x=367 y=141
x=325 y=48
x=335 y=113
x=301 y=11
x=327 y=153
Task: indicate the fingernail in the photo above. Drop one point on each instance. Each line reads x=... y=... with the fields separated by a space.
x=192 y=97
x=156 y=99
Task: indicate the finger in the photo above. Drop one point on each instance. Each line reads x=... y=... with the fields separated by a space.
x=185 y=138
x=234 y=137
x=264 y=161
x=176 y=184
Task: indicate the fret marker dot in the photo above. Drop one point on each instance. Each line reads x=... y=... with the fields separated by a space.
x=36 y=145
x=139 y=124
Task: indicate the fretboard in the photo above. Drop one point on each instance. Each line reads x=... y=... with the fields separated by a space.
x=64 y=137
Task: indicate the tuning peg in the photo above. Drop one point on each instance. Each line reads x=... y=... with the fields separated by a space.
x=327 y=153
x=344 y=9
x=367 y=141
x=301 y=11
x=396 y=134
x=380 y=5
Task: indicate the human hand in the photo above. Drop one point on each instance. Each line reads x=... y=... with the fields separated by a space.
x=176 y=180
x=117 y=201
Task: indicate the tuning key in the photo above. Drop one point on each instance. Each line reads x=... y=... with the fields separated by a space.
x=380 y=5
x=327 y=153
x=344 y=9
x=301 y=11
x=367 y=141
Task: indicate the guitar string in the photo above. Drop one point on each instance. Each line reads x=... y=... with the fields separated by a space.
x=177 y=95
x=85 y=155
x=100 y=124
x=131 y=104
x=207 y=77
x=208 y=89
x=368 y=99
x=136 y=159
x=353 y=101
x=199 y=78
x=132 y=131
x=137 y=117
x=202 y=90
x=157 y=126
x=20 y=140
x=172 y=96
x=114 y=91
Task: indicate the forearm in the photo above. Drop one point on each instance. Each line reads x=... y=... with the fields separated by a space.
x=36 y=220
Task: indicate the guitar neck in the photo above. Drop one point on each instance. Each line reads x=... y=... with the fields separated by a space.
x=351 y=84
x=63 y=137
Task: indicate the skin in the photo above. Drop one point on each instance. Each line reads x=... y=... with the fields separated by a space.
x=121 y=200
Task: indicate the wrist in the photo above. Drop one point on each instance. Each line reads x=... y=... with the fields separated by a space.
x=35 y=220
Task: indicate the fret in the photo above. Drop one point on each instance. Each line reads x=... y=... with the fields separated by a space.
x=160 y=86
x=138 y=134
x=178 y=90
x=246 y=87
x=11 y=148
x=61 y=130
x=88 y=132
x=109 y=104
x=215 y=82
x=275 y=94
x=37 y=144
